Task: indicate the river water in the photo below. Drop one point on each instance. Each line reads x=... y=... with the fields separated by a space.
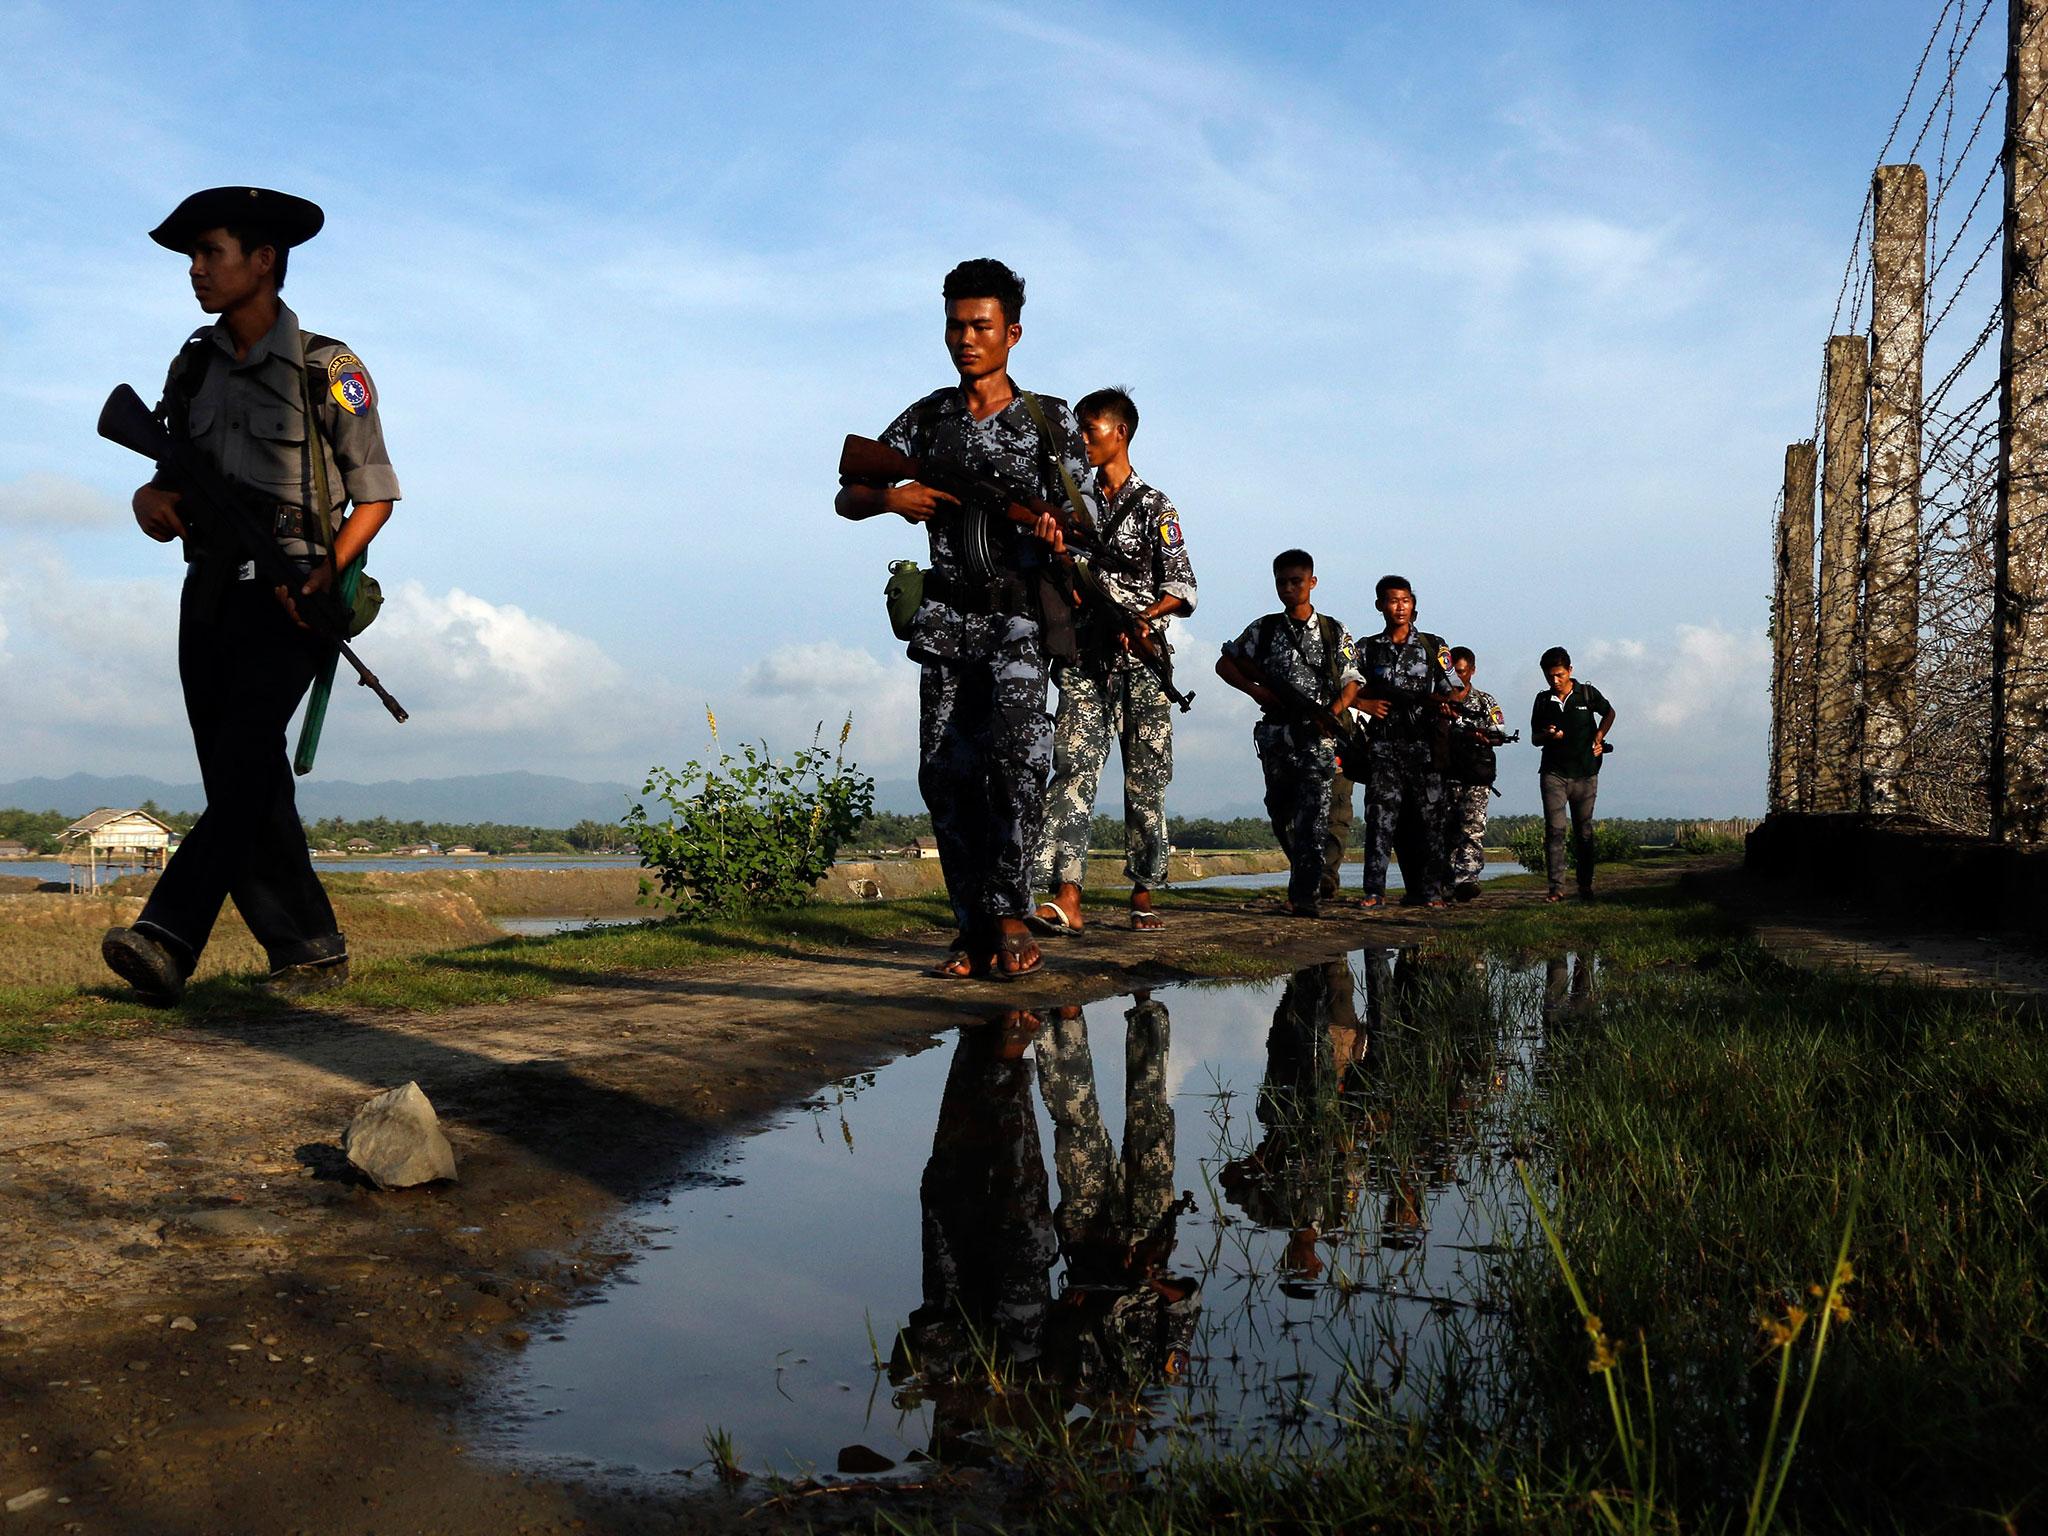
x=1246 y=1214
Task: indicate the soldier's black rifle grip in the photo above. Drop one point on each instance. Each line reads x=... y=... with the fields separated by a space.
x=864 y=461
x=126 y=422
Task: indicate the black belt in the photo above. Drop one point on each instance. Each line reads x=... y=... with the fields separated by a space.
x=1002 y=594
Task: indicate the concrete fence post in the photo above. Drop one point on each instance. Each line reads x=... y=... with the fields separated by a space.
x=1792 y=639
x=1889 y=625
x=2019 y=639
x=1838 y=756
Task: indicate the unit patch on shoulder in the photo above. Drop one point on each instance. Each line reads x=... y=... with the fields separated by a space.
x=349 y=382
x=1494 y=716
x=1443 y=657
x=1169 y=531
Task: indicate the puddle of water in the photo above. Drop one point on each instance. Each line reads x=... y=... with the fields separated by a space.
x=540 y=927
x=1239 y=1213
x=1347 y=875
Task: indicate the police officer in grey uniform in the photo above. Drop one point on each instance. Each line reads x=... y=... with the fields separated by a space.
x=238 y=391
x=985 y=744
x=1108 y=695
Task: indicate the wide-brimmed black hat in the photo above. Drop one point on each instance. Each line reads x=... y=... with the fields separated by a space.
x=289 y=220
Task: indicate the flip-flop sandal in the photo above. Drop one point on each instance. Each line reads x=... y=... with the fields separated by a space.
x=961 y=962
x=1014 y=944
x=1371 y=903
x=1050 y=917
x=1147 y=922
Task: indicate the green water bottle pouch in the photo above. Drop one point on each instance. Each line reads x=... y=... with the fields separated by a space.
x=364 y=602
x=904 y=595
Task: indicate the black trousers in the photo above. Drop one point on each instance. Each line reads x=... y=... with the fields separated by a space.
x=244 y=666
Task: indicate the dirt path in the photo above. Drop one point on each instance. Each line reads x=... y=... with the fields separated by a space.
x=207 y=1324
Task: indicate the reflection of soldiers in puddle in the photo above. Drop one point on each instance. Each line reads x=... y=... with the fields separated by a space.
x=1302 y=1177
x=989 y=1347
x=1122 y=1320
x=988 y=1239
x=1567 y=985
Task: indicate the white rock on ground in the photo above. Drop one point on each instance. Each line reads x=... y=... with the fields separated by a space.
x=396 y=1140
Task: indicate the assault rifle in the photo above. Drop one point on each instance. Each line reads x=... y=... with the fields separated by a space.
x=864 y=461
x=223 y=518
x=1298 y=706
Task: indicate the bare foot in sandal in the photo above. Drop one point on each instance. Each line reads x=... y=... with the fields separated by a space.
x=1143 y=918
x=1062 y=912
x=1016 y=953
x=967 y=957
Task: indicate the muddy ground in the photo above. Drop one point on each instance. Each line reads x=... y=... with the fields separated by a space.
x=208 y=1325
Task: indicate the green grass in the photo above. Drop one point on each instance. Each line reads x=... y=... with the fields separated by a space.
x=507 y=970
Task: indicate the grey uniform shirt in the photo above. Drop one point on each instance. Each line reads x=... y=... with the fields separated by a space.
x=1008 y=447
x=248 y=415
x=1297 y=655
x=1144 y=554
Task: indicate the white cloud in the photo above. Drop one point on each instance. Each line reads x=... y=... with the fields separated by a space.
x=57 y=501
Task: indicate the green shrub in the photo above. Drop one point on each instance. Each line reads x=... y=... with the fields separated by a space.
x=749 y=832
x=1699 y=837
x=1525 y=842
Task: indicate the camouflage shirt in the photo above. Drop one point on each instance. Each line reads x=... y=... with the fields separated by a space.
x=1297 y=655
x=1417 y=667
x=1144 y=555
x=1009 y=447
x=248 y=415
x=1479 y=712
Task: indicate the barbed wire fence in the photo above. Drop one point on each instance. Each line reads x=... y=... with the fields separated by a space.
x=1912 y=699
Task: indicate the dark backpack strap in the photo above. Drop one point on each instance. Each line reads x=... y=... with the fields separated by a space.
x=1333 y=661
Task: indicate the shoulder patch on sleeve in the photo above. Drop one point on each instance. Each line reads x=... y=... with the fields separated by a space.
x=1443 y=656
x=1494 y=716
x=1169 y=530
x=348 y=381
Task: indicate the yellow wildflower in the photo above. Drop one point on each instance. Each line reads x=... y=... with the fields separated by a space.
x=713 y=720
x=1606 y=1356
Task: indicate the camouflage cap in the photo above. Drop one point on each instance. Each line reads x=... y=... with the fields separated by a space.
x=292 y=220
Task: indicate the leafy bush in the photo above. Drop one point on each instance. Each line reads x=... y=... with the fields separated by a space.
x=749 y=832
x=1713 y=836
x=1525 y=842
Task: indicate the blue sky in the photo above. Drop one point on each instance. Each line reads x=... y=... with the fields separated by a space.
x=1521 y=300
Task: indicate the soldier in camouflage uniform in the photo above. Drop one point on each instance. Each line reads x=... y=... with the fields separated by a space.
x=1314 y=654
x=985 y=744
x=1409 y=690
x=1109 y=695
x=1468 y=777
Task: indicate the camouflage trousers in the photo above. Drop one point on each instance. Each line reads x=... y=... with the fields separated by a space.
x=1124 y=705
x=1107 y=1200
x=985 y=746
x=1404 y=808
x=1465 y=808
x=1298 y=776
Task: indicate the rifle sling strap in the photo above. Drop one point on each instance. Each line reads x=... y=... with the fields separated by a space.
x=1045 y=442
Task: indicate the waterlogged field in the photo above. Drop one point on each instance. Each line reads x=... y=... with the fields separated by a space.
x=1264 y=1255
